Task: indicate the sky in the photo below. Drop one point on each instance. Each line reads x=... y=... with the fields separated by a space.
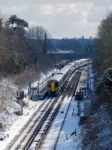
x=62 y=18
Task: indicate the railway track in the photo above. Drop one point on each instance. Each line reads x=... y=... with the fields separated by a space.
x=37 y=126
x=29 y=123
x=22 y=135
x=41 y=133
x=46 y=113
x=71 y=91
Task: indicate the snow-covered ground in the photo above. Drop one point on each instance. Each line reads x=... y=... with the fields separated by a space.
x=19 y=122
x=71 y=125
x=12 y=124
x=97 y=133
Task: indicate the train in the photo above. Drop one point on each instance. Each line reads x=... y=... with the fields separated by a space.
x=61 y=64
x=56 y=82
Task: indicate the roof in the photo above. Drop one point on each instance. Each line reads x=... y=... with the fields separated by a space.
x=59 y=75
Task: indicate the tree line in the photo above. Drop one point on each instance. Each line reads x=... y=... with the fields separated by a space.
x=103 y=45
x=22 y=46
x=103 y=58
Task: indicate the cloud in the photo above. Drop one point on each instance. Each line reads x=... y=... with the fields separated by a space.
x=66 y=9
x=61 y=17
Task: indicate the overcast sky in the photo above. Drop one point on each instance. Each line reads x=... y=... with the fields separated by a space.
x=62 y=18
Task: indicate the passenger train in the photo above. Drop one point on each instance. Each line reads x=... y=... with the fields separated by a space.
x=56 y=82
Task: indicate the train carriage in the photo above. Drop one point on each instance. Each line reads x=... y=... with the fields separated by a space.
x=55 y=83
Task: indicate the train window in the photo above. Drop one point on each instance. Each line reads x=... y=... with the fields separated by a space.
x=59 y=73
x=56 y=84
x=49 y=84
x=108 y=84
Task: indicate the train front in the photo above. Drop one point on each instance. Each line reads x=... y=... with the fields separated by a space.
x=53 y=87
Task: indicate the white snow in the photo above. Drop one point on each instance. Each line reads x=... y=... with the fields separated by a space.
x=66 y=140
x=19 y=122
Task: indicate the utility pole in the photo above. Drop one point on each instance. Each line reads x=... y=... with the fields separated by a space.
x=45 y=44
x=45 y=51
